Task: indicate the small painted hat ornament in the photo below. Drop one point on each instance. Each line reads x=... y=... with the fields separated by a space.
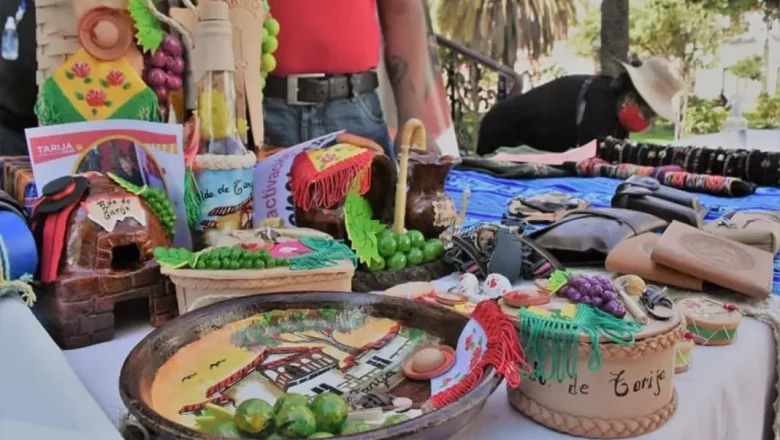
x=428 y=361
x=526 y=297
x=60 y=193
x=495 y=286
x=450 y=298
x=106 y=33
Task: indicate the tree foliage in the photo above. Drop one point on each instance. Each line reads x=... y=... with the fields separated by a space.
x=497 y=28
x=751 y=68
x=272 y=329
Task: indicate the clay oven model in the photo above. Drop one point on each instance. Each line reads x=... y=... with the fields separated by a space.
x=105 y=259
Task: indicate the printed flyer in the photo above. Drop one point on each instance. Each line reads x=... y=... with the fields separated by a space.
x=143 y=153
x=273 y=197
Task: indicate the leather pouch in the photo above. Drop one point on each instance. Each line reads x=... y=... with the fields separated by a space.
x=586 y=237
x=760 y=230
x=517 y=257
x=646 y=194
x=632 y=256
x=715 y=259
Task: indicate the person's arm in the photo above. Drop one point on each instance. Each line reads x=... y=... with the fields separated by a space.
x=406 y=56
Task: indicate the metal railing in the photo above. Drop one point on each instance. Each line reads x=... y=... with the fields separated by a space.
x=474 y=83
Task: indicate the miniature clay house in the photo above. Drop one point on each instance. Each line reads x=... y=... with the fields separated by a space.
x=100 y=269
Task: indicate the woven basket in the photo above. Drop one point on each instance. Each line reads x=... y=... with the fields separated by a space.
x=55 y=32
x=199 y=288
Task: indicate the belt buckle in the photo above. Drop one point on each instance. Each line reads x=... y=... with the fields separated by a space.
x=293 y=89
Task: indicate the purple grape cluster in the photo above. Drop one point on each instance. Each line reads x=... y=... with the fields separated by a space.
x=164 y=71
x=596 y=291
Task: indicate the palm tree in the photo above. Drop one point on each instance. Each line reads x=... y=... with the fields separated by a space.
x=614 y=35
x=498 y=28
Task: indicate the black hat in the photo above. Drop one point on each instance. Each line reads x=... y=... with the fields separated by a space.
x=60 y=193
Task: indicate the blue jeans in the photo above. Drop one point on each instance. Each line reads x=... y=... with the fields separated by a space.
x=286 y=126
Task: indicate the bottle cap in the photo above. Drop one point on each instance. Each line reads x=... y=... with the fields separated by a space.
x=10 y=24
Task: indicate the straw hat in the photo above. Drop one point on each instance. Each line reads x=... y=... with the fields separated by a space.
x=106 y=33
x=658 y=85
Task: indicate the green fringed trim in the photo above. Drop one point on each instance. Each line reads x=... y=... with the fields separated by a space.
x=325 y=253
x=552 y=344
x=156 y=198
x=192 y=198
x=52 y=106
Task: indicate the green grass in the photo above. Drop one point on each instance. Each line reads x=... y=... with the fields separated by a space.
x=660 y=134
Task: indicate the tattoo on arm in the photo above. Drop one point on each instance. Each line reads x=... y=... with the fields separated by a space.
x=397 y=68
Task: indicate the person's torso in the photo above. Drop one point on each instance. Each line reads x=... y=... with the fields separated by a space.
x=326 y=36
x=17 y=77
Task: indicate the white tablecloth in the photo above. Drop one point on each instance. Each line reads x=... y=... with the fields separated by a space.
x=727 y=394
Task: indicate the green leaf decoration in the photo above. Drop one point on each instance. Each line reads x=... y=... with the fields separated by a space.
x=108 y=103
x=79 y=96
x=104 y=84
x=149 y=32
x=131 y=187
x=126 y=86
x=173 y=258
x=557 y=280
x=362 y=229
x=87 y=80
x=69 y=75
x=94 y=112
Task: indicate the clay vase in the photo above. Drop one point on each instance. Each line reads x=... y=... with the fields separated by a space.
x=428 y=208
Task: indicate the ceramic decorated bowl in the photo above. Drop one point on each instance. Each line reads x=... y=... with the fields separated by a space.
x=268 y=346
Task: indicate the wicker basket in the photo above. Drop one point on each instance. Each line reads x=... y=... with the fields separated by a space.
x=199 y=288
x=55 y=32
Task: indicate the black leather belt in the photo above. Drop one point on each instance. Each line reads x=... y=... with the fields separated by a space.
x=318 y=88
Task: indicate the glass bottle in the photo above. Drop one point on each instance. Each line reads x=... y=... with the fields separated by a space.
x=736 y=125
x=10 y=44
x=215 y=65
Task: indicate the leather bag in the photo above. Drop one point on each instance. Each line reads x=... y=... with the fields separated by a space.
x=583 y=238
x=760 y=230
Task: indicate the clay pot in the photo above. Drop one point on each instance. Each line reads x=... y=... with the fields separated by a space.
x=331 y=221
x=428 y=208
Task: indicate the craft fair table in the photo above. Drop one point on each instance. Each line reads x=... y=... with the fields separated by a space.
x=726 y=395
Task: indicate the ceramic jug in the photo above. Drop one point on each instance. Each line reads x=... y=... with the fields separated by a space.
x=428 y=207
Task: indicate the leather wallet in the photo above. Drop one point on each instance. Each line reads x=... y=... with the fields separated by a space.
x=715 y=259
x=758 y=229
x=586 y=237
x=646 y=194
x=632 y=256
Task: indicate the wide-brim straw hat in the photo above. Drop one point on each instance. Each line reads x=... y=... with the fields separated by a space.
x=658 y=85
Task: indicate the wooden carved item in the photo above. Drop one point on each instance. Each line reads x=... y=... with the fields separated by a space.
x=100 y=268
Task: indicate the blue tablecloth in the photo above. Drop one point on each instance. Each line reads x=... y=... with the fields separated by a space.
x=490 y=196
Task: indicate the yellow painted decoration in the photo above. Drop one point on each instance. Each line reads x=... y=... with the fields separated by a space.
x=95 y=88
x=323 y=158
x=214 y=120
x=564 y=310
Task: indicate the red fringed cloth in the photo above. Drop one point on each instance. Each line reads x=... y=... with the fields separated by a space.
x=322 y=178
x=503 y=353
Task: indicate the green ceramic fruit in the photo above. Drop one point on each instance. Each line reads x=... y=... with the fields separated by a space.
x=433 y=249
x=290 y=399
x=397 y=261
x=417 y=238
x=272 y=26
x=377 y=265
x=350 y=428
x=404 y=243
x=226 y=429
x=415 y=256
x=387 y=246
x=330 y=410
x=295 y=421
x=253 y=415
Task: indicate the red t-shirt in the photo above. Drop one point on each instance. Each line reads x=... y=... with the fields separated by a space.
x=326 y=36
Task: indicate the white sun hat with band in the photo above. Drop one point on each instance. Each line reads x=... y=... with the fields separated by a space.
x=658 y=85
